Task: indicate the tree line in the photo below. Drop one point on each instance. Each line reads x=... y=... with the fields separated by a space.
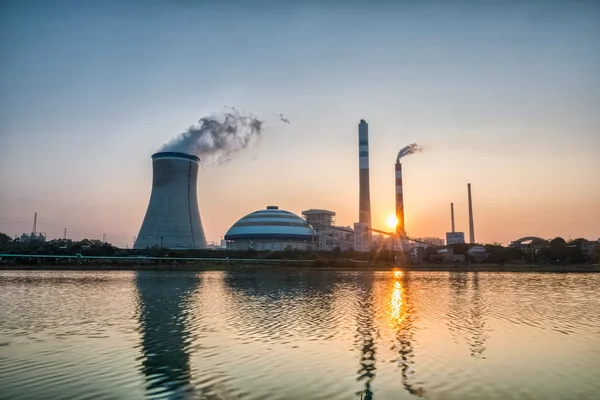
x=556 y=251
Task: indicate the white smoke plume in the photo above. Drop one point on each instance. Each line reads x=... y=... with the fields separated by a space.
x=408 y=150
x=217 y=137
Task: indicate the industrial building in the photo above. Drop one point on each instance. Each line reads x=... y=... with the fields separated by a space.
x=271 y=229
x=319 y=219
x=34 y=236
x=588 y=248
x=362 y=237
x=172 y=219
x=455 y=237
x=329 y=235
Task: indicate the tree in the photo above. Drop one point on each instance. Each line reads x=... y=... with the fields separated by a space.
x=577 y=242
x=558 y=248
x=4 y=238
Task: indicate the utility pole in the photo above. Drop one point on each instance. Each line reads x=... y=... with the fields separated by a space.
x=65 y=235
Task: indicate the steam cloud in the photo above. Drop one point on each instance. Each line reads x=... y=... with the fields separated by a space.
x=217 y=137
x=408 y=150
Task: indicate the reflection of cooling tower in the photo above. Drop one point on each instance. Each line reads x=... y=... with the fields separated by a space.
x=173 y=219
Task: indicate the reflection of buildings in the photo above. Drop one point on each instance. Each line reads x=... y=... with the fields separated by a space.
x=401 y=319
x=467 y=322
x=164 y=307
x=401 y=315
x=269 y=303
x=454 y=317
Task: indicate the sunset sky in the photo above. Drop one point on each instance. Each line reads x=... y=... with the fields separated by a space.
x=504 y=95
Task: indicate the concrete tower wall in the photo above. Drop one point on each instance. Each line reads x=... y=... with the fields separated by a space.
x=173 y=219
x=400 y=229
x=364 y=215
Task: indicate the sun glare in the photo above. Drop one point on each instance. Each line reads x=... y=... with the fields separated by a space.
x=392 y=221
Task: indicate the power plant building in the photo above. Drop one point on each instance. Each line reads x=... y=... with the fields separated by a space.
x=172 y=219
x=319 y=219
x=271 y=229
x=329 y=235
x=362 y=237
x=455 y=237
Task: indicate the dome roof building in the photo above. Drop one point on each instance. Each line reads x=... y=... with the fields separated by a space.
x=271 y=229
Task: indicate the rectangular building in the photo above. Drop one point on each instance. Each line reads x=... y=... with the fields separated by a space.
x=455 y=237
x=362 y=237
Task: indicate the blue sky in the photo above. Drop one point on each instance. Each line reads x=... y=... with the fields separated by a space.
x=503 y=95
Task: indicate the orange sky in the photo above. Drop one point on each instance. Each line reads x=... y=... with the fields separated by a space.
x=498 y=99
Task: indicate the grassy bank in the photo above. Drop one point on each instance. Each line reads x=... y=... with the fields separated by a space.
x=316 y=265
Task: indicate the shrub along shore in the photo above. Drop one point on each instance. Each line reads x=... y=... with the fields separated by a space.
x=334 y=265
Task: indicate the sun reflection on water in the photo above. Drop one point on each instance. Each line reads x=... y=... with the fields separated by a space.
x=397 y=312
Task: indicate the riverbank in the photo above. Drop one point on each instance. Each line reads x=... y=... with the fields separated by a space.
x=582 y=268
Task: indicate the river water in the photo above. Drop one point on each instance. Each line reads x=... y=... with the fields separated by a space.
x=299 y=334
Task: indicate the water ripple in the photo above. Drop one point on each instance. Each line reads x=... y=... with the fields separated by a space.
x=298 y=334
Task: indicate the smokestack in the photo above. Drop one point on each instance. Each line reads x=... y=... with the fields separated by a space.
x=471 y=229
x=172 y=219
x=399 y=201
x=364 y=207
x=452 y=215
x=405 y=151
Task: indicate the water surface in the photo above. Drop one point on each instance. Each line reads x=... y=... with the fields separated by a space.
x=299 y=334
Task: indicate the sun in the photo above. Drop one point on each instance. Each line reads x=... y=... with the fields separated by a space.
x=392 y=221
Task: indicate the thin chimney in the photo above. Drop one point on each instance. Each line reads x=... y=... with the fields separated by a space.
x=471 y=228
x=452 y=215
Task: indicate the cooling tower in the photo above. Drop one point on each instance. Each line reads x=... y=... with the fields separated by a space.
x=399 y=201
x=173 y=219
x=364 y=206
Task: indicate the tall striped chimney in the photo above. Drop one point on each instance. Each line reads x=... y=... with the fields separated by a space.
x=364 y=206
x=399 y=201
x=471 y=228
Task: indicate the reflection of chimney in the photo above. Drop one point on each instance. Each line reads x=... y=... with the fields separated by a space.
x=367 y=339
x=400 y=231
x=471 y=228
x=452 y=215
x=364 y=207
